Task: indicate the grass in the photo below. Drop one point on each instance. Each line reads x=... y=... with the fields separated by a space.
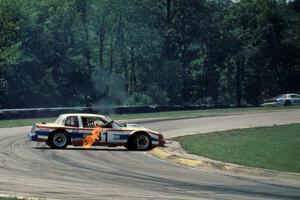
x=276 y=147
x=18 y=198
x=23 y=122
x=203 y=112
x=8 y=198
x=170 y=114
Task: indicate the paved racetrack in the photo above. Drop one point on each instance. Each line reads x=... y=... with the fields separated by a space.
x=32 y=169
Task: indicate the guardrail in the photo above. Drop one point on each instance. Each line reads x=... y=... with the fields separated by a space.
x=24 y=113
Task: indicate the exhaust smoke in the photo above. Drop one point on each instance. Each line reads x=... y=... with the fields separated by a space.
x=111 y=90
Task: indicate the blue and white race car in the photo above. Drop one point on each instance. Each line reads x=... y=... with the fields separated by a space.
x=71 y=129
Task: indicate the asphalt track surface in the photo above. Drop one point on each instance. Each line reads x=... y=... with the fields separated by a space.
x=33 y=170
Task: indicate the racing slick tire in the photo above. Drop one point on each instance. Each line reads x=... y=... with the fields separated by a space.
x=58 y=140
x=287 y=103
x=140 y=142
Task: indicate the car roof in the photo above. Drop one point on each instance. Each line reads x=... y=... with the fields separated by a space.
x=83 y=115
x=292 y=94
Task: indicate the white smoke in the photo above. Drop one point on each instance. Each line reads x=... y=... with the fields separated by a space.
x=111 y=89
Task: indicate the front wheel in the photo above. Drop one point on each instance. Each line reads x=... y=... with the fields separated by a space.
x=142 y=142
x=58 y=140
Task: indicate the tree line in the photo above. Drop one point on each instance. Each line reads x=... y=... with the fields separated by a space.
x=141 y=52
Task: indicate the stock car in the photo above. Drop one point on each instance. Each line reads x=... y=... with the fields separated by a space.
x=71 y=129
x=283 y=100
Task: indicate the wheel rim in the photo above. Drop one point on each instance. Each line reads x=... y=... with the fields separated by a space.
x=142 y=142
x=288 y=103
x=59 y=139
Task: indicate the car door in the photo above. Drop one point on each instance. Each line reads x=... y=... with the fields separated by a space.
x=111 y=133
x=295 y=99
x=89 y=123
x=108 y=133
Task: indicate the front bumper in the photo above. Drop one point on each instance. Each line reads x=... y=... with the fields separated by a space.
x=162 y=141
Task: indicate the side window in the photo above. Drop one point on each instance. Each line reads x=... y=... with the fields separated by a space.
x=72 y=121
x=98 y=122
x=294 y=96
x=91 y=122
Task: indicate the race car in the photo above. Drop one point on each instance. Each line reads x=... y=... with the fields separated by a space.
x=71 y=129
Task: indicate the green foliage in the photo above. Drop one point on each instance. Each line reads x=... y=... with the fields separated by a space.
x=157 y=52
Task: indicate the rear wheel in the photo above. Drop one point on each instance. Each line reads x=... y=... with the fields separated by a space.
x=287 y=103
x=58 y=140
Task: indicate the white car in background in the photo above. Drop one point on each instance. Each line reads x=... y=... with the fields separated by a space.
x=283 y=100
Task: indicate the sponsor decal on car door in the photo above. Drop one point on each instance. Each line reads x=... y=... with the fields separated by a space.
x=117 y=136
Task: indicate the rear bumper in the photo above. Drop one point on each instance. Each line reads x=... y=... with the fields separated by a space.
x=34 y=136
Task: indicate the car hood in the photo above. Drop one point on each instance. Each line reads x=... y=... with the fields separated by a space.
x=138 y=127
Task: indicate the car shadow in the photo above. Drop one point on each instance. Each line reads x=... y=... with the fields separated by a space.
x=80 y=149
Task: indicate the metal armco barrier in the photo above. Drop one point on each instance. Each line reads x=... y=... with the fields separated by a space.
x=54 y=112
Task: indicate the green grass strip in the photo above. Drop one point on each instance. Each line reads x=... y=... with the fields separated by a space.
x=169 y=114
x=276 y=147
x=203 y=112
x=23 y=122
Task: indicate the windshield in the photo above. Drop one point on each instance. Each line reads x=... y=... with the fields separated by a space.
x=280 y=96
x=58 y=120
x=108 y=119
x=119 y=124
x=114 y=122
